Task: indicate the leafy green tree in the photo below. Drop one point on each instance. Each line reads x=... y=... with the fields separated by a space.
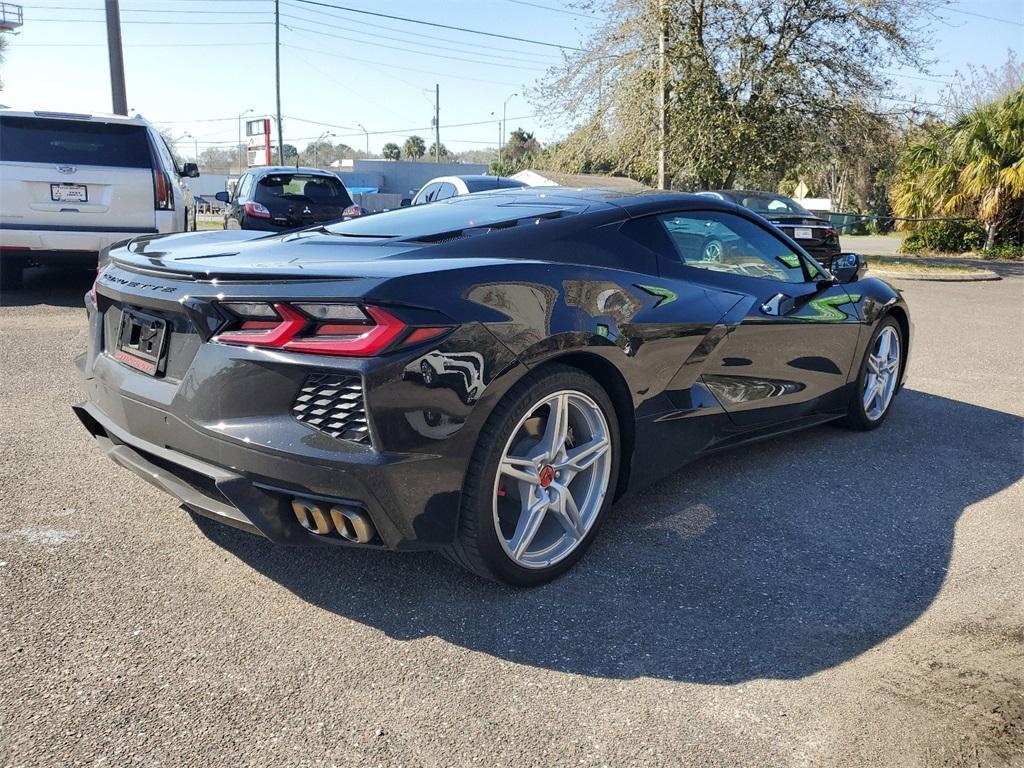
x=443 y=153
x=414 y=147
x=390 y=151
x=3 y=49
x=290 y=153
x=745 y=81
x=972 y=166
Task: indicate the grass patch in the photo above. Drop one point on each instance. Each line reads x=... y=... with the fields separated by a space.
x=209 y=222
x=916 y=266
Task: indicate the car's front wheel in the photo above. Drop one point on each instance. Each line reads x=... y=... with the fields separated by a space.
x=879 y=377
x=542 y=476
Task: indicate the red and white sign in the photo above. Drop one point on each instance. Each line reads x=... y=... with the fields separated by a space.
x=257 y=147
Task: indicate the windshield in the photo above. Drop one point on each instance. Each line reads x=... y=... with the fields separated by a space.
x=304 y=188
x=767 y=203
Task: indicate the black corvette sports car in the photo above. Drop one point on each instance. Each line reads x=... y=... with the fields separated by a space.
x=483 y=376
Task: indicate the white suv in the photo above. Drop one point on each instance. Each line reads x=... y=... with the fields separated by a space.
x=72 y=185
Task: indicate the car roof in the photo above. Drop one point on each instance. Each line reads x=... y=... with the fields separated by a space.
x=96 y=117
x=268 y=169
x=482 y=209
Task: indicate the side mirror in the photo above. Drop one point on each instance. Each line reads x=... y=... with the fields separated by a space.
x=191 y=170
x=406 y=202
x=848 y=267
x=224 y=197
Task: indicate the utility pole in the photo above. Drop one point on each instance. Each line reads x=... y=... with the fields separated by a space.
x=437 y=123
x=663 y=95
x=499 y=142
x=363 y=129
x=277 y=74
x=116 y=54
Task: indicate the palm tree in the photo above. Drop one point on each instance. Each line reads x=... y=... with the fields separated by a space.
x=414 y=147
x=971 y=167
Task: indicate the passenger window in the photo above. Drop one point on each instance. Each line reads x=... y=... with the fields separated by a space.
x=244 y=187
x=427 y=194
x=445 y=191
x=726 y=243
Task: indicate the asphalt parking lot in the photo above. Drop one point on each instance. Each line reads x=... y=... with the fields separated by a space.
x=827 y=598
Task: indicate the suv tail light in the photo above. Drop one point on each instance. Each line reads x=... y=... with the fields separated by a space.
x=352 y=212
x=319 y=328
x=163 y=194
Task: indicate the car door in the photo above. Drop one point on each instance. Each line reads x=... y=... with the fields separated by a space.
x=792 y=337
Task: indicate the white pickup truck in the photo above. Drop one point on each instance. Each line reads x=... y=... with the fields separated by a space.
x=73 y=184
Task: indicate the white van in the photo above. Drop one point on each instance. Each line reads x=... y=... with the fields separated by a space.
x=71 y=185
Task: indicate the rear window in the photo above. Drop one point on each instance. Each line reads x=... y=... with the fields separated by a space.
x=481 y=185
x=306 y=188
x=73 y=142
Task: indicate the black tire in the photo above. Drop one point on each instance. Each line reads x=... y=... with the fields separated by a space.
x=857 y=417
x=12 y=273
x=477 y=547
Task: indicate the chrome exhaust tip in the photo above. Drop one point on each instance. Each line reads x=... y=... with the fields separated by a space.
x=348 y=522
x=353 y=524
x=311 y=517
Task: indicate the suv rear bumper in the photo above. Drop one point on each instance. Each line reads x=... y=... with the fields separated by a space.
x=40 y=241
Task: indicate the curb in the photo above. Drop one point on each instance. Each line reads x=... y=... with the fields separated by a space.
x=980 y=275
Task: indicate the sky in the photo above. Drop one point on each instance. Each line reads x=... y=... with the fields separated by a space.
x=193 y=65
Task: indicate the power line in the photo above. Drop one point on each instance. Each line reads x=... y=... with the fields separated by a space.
x=391 y=31
x=345 y=57
x=440 y=26
x=432 y=46
x=397 y=48
x=130 y=45
x=983 y=16
x=128 y=10
x=189 y=22
x=591 y=16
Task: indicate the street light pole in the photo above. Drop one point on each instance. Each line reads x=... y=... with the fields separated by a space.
x=504 y=110
x=240 y=116
x=195 y=144
x=367 y=137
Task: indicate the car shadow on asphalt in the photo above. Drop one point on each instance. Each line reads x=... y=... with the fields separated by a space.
x=776 y=560
x=50 y=286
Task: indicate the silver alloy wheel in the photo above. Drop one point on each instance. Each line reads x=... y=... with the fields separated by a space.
x=552 y=479
x=713 y=250
x=882 y=373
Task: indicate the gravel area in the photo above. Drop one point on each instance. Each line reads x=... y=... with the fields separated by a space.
x=827 y=598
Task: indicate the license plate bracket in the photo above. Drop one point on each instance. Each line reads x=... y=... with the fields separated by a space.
x=141 y=341
x=69 y=193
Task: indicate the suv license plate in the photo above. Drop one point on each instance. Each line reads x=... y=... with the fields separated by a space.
x=140 y=341
x=802 y=233
x=69 y=193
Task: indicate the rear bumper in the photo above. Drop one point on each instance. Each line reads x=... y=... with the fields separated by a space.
x=39 y=242
x=254 y=491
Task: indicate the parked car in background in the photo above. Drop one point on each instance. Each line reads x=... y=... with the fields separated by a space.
x=74 y=184
x=483 y=375
x=275 y=198
x=817 y=236
x=444 y=187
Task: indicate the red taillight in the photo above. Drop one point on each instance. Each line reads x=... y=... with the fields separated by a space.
x=163 y=195
x=315 y=329
x=257 y=210
x=352 y=212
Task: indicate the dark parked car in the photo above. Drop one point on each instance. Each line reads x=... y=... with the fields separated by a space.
x=481 y=376
x=444 y=187
x=817 y=236
x=278 y=198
